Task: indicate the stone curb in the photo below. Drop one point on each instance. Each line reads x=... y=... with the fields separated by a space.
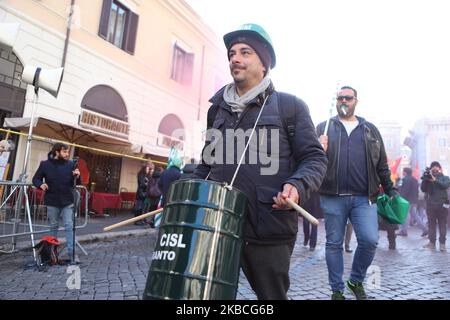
x=94 y=237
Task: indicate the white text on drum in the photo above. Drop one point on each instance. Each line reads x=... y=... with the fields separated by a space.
x=171 y=240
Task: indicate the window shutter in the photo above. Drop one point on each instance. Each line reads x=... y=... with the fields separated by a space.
x=104 y=19
x=129 y=42
x=188 y=69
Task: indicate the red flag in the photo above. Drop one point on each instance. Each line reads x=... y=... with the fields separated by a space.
x=393 y=166
x=416 y=171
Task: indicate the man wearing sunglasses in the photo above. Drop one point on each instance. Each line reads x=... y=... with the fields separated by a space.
x=357 y=165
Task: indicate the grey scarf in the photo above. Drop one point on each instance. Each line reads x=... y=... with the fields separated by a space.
x=238 y=104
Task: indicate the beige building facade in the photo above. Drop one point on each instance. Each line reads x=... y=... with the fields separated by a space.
x=137 y=78
x=391 y=133
x=438 y=142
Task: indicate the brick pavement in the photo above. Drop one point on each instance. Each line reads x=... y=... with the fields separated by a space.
x=116 y=269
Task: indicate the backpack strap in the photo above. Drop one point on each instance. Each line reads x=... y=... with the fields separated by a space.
x=288 y=111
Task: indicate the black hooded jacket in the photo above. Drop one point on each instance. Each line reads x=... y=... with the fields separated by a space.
x=301 y=162
x=57 y=174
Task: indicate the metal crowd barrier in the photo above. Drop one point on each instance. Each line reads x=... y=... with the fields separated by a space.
x=23 y=213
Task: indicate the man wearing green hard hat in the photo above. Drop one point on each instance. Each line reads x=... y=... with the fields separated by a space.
x=251 y=104
x=256 y=37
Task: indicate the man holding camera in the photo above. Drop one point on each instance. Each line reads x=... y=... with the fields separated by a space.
x=55 y=177
x=434 y=185
x=410 y=191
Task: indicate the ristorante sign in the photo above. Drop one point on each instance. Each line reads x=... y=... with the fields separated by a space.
x=104 y=124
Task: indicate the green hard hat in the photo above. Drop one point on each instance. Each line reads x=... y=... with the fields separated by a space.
x=255 y=31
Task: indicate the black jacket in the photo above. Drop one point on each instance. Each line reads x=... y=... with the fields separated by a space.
x=376 y=160
x=410 y=189
x=436 y=192
x=57 y=174
x=142 y=181
x=303 y=164
x=153 y=189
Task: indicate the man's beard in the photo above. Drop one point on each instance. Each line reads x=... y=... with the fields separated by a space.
x=345 y=111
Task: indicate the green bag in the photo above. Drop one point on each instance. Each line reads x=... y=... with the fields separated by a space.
x=393 y=211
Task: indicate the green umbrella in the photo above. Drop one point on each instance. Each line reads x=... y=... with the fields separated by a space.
x=393 y=211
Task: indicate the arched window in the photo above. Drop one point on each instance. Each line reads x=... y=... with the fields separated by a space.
x=169 y=125
x=11 y=69
x=105 y=100
x=171 y=132
x=12 y=90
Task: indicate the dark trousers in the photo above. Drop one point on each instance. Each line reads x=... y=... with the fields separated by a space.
x=266 y=268
x=138 y=206
x=310 y=232
x=390 y=229
x=437 y=215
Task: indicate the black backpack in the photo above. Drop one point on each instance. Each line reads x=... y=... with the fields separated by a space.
x=153 y=190
x=47 y=251
x=286 y=108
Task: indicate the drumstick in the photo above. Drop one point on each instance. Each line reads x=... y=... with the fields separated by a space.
x=303 y=212
x=126 y=222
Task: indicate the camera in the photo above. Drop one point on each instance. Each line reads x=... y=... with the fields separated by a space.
x=427 y=175
x=75 y=162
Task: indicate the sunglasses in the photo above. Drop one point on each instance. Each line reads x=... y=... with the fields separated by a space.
x=347 y=98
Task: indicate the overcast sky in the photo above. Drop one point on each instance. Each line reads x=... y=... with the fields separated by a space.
x=395 y=53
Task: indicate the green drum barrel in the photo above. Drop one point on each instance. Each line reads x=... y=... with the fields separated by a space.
x=199 y=243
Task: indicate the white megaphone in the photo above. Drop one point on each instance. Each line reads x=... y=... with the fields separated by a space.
x=8 y=35
x=47 y=79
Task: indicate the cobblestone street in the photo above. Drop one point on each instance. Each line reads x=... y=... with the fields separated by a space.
x=117 y=269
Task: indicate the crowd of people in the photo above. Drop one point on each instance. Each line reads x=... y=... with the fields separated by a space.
x=153 y=184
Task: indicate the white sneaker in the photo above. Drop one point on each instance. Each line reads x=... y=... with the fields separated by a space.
x=442 y=247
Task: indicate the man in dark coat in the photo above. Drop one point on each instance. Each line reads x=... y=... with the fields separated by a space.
x=293 y=168
x=435 y=185
x=409 y=190
x=56 y=176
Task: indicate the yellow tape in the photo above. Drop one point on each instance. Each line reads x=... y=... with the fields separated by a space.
x=81 y=146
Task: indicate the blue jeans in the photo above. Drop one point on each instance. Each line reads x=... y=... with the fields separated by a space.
x=413 y=215
x=54 y=214
x=363 y=216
